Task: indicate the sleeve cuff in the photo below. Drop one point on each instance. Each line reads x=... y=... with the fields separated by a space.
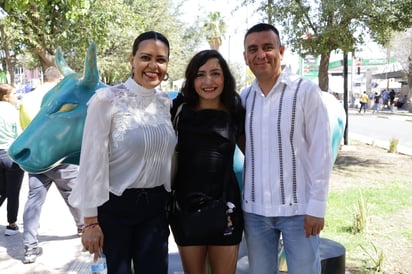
x=316 y=209
x=90 y=212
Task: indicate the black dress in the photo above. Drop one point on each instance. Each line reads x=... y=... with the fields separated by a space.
x=206 y=144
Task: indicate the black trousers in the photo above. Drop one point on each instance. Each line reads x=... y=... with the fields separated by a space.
x=362 y=105
x=135 y=229
x=11 y=178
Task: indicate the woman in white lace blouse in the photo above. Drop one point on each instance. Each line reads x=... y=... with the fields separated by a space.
x=124 y=177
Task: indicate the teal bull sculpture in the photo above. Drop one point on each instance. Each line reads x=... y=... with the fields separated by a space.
x=55 y=134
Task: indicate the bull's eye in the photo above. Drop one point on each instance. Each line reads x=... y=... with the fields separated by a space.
x=67 y=107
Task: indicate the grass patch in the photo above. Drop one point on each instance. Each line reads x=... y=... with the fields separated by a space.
x=383 y=202
x=407 y=234
x=360 y=216
x=393 y=145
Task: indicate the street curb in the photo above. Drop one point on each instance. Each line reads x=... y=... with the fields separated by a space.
x=379 y=143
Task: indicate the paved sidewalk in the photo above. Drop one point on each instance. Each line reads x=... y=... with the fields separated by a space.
x=57 y=236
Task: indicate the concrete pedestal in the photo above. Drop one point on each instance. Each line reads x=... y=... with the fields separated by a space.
x=332 y=255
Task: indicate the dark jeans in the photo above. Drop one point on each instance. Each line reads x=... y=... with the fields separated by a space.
x=11 y=178
x=135 y=229
x=362 y=105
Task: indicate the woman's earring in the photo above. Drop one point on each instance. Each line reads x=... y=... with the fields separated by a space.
x=132 y=74
x=166 y=77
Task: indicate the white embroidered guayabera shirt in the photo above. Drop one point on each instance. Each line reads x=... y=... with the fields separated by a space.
x=288 y=149
x=128 y=141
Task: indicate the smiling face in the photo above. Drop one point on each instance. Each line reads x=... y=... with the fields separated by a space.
x=209 y=81
x=149 y=64
x=263 y=54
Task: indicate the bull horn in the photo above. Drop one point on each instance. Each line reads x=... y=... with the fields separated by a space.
x=61 y=63
x=91 y=73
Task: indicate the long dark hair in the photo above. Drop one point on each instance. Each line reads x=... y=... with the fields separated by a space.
x=229 y=97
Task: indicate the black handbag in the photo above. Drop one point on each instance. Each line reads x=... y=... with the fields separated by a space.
x=200 y=214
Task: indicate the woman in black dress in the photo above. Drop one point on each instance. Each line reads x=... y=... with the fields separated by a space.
x=210 y=123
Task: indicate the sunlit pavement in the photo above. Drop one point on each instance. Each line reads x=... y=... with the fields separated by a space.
x=402 y=115
x=62 y=249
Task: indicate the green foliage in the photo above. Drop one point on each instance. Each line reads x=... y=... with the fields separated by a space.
x=184 y=39
x=37 y=27
x=214 y=29
x=387 y=16
x=338 y=24
x=40 y=26
x=318 y=27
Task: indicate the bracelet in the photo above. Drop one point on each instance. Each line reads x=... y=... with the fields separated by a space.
x=92 y=225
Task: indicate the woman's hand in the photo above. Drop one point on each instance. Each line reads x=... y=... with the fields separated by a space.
x=92 y=238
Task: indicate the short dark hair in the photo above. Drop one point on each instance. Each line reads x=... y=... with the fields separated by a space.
x=229 y=89
x=263 y=27
x=148 y=35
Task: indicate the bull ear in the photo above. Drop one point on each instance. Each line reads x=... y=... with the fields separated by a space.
x=91 y=73
x=61 y=63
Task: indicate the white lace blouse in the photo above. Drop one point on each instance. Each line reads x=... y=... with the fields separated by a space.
x=128 y=141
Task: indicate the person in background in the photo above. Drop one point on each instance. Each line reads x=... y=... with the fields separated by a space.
x=288 y=159
x=402 y=100
x=392 y=95
x=125 y=165
x=64 y=176
x=363 y=102
x=11 y=175
x=31 y=102
x=376 y=103
x=385 y=99
x=210 y=124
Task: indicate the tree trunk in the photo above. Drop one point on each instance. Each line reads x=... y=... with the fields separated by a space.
x=270 y=12
x=45 y=58
x=323 y=75
x=5 y=45
x=409 y=101
x=214 y=43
